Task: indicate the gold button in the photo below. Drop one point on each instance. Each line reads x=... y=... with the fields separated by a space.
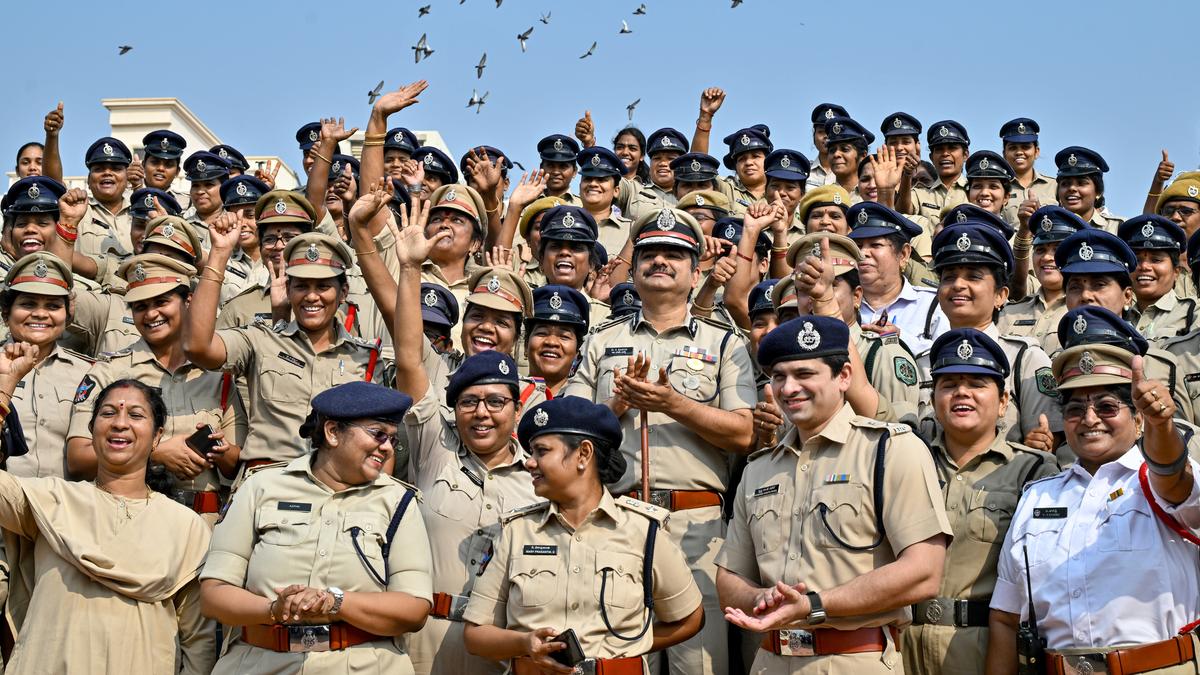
x=804 y=467
x=958 y=478
x=488 y=507
x=454 y=486
x=574 y=605
x=490 y=476
x=578 y=538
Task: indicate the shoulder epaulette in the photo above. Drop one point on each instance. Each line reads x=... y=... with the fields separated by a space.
x=273 y=465
x=364 y=342
x=1021 y=339
x=614 y=322
x=717 y=323
x=650 y=511
x=524 y=511
x=895 y=428
x=82 y=357
x=759 y=453
x=1040 y=480
x=112 y=355
x=407 y=486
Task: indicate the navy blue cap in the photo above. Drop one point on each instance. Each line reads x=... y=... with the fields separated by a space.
x=900 y=124
x=308 y=134
x=730 y=229
x=1152 y=232
x=401 y=199
x=666 y=140
x=599 y=161
x=827 y=111
x=967 y=351
x=242 y=190
x=601 y=258
x=438 y=305
x=558 y=148
x=1193 y=252
x=1079 y=161
x=338 y=167
x=436 y=162
x=1090 y=324
x=805 y=337
x=489 y=367
x=34 y=194
x=972 y=243
x=760 y=297
x=141 y=203
x=968 y=211
x=1020 y=130
x=1054 y=223
x=871 y=219
x=624 y=299
x=569 y=223
x=695 y=167
x=554 y=303
x=577 y=415
x=493 y=153
x=357 y=400
x=787 y=165
x=988 y=164
x=230 y=154
x=107 y=150
x=1094 y=251
x=401 y=139
x=846 y=130
x=203 y=165
x=757 y=137
x=947 y=131
x=164 y=144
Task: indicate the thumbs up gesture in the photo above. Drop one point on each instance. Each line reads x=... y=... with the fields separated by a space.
x=767 y=420
x=1150 y=397
x=1040 y=437
x=585 y=130
x=54 y=120
x=1166 y=168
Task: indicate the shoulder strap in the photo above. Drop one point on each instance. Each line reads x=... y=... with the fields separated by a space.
x=869 y=357
x=374 y=359
x=395 y=524
x=1166 y=518
x=528 y=391
x=877 y=493
x=648 y=566
x=1191 y=316
x=1016 y=373
x=226 y=386
x=933 y=306
x=351 y=315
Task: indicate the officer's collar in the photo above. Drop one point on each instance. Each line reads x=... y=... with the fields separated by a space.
x=1167 y=302
x=607 y=506
x=837 y=429
x=999 y=445
x=992 y=331
x=689 y=321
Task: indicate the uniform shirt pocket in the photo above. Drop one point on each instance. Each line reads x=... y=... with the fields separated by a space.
x=989 y=515
x=1041 y=538
x=453 y=499
x=367 y=530
x=534 y=579
x=1129 y=526
x=278 y=384
x=693 y=378
x=841 y=516
x=620 y=574
x=766 y=522
x=279 y=527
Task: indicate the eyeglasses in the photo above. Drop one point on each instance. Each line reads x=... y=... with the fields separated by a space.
x=1105 y=409
x=378 y=435
x=1183 y=211
x=273 y=239
x=494 y=404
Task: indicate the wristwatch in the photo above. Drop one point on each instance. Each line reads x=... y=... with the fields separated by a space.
x=339 y=595
x=816 y=612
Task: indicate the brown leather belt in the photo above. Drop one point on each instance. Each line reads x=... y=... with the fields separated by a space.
x=681 y=500
x=200 y=502
x=307 y=638
x=951 y=612
x=827 y=641
x=626 y=666
x=255 y=463
x=1126 y=660
x=448 y=606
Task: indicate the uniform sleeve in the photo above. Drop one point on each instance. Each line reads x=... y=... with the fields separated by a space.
x=410 y=562
x=1038 y=391
x=91 y=316
x=489 y=595
x=737 y=376
x=15 y=514
x=423 y=423
x=583 y=382
x=385 y=243
x=1009 y=593
x=239 y=348
x=737 y=553
x=676 y=595
x=1186 y=512
x=913 y=508
x=626 y=190
x=233 y=538
x=233 y=418
x=197 y=635
x=90 y=386
x=894 y=374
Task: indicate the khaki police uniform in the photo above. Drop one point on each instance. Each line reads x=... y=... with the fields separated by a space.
x=949 y=633
x=284 y=527
x=801 y=506
x=101 y=231
x=547 y=573
x=1186 y=352
x=242 y=272
x=613 y=233
x=929 y=202
x=1106 y=221
x=819 y=176
x=636 y=199
x=250 y=306
x=464 y=504
x=1032 y=317
x=102 y=321
x=740 y=197
x=892 y=371
x=1169 y=316
x=42 y=401
x=1043 y=188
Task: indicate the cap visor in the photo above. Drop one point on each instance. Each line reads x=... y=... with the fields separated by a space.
x=39 y=288
x=1093 y=380
x=964 y=369
x=787 y=175
x=493 y=302
x=870 y=232
x=150 y=291
x=434 y=317
x=1021 y=138
x=306 y=271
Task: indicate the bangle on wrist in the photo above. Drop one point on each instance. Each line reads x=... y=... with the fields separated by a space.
x=1165 y=469
x=700 y=126
x=703 y=308
x=220 y=279
x=1153 y=194
x=375 y=137
x=66 y=234
x=372 y=144
x=778 y=255
x=370 y=252
x=320 y=156
x=745 y=257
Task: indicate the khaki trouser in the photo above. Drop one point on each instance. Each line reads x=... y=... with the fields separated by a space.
x=943 y=650
x=887 y=662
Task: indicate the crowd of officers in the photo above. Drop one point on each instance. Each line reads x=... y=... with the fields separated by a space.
x=918 y=409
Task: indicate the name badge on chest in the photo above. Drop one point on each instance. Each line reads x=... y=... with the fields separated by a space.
x=1050 y=512
x=539 y=549
x=291 y=359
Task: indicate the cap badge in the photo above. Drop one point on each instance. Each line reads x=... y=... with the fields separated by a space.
x=962 y=217
x=148 y=202
x=837 y=199
x=730 y=231
x=595 y=160
x=1086 y=252
x=666 y=142
x=139 y=273
x=666 y=219
x=1021 y=128
x=897 y=123
x=963 y=243
x=428 y=160
x=398 y=136
x=1193 y=191
x=984 y=164
x=164 y=143
x=223 y=153
x=695 y=165
x=568 y=220
x=493 y=284
x=337 y=167
x=837 y=128
x=1086 y=363
x=556 y=301
x=700 y=200
x=33 y=192
x=1047 y=224
x=241 y=189
x=168 y=230
x=280 y=207
x=808 y=338
x=943 y=131
x=558 y=144
x=312 y=255
x=1148 y=230
x=503 y=367
x=107 y=150
x=863 y=217
x=816 y=249
x=450 y=196
x=431 y=298
x=829 y=113
x=313 y=135
x=628 y=298
x=965 y=350
x=540 y=418
x=41 y=270
x=1080 y=325
x=744 y=140
x=1072 y=160
x=785 y=162
x=201 y=166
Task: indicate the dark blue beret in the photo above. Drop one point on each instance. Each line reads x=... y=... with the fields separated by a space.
x=401 y=139
x=947 y=131
x=827 y=111
x=760 y=297
x=757 y=137
x=787 y=165
x=436 y=162
x=34 y=194
x=569 y=223
x=489 y=367
x=599 y=161
x=230 y=154
x=558 y=148
x=242 y=189
x=362 y=400
x=624 y=299
x=871 y=219
x=900 y=124
x=967 y=351
x=338 y=167
x=968 y=211
x=972 y=243
x=666 y=140
x=576 y=415
x=141 y=202
x=1079 y=161
x=203 y=165
x=438 y=305
x=1152 y=231
x=988 y=164
x=493 y=154
x=1054 y=223
x=308 y=134
x=1094 y=251
x=107 y=150
x=554 y=303
x=846 y=130
x=695 y=167
x=1020 y=130
x=805 y=337
x=1090 y=324
x=164 y=144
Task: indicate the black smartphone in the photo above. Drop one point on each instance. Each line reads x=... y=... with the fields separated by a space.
x=200 y=441
x=573 y=654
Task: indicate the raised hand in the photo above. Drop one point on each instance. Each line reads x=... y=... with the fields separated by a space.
x=225 y=233
x=500 y=257
x=585 y=130
x=1040 y=437
x=333 y=131
x=814 y=276
x=395 y=101
x=268 y=174
x=723 y=269
x=531 y=186
x=277 y=276
x=16 y=360
x=1150 y=397
x=1166 y=168
x=888 y=168
x=54 y=120
x=485 y=171
x=767 y=420
x=759 y=215
x=376 y=196
x=711 y=100
x=136 y=174
x=72 y=206
x=1026 y=211
x=412 y=246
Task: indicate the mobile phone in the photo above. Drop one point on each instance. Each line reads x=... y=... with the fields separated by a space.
x=200 y=441
x=573 y=654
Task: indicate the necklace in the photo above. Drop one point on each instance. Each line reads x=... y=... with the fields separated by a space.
x=123 y=501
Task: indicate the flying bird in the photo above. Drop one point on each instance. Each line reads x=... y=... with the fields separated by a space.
x=591 y=50
x=374 y=93
x=546 y=18
x=735 y=4
x=498 y=3
x=477 y=100
x=422 y=11
x=421 y=50
x=641 y=10
x=629 y=108
x=480 y=66
x=523 y=37
x=625 y=29
x=124 y=49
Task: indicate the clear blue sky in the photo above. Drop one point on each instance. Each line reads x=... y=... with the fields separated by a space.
x=1095 y=74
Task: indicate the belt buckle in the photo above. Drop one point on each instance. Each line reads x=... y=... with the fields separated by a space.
x=661 y=498
x=1084 y=664
x=314 y=638
x=458 y=605
x=796 y=642
x=961 y=615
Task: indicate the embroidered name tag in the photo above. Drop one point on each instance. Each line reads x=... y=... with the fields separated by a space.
x=1025 y=322
x=236 y=271
x=766 y=490
x=472 y=477
x=294 y=506
x=1191 y=377
x=127 y=319
x=291 y=359
x=1052 y=512
x=835 y=478
x=618 y=351
x=540 y=549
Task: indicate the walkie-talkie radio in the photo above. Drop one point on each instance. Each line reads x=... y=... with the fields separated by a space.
x=1031 y=646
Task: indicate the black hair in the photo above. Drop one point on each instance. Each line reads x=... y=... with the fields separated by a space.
x=642 y=171
x=1098 y=181
x=593 y=259
x=23 y=148
x=928 y=166
x=865 y=160
x=610 y=463
x=850 y=277
x=897 y=240
x=158 y=478
x=994 y=378
x=836 y=362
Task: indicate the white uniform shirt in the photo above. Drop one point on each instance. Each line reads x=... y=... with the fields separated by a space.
x=1105 y=571
x=908 y=312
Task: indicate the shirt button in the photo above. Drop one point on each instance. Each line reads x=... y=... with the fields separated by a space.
x=796 y=512
x=575 y=569
x=1076 y=593
x=322 y=553
x=454 y=486
x=488 y=507
x=490 y=476
x=791 y=556
x=479 y=533
x=574 y=605
x=328 y=521
x=578 y=538
x=958 y=478
x=473 y=561
x=284 y=521
x=804 y=467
